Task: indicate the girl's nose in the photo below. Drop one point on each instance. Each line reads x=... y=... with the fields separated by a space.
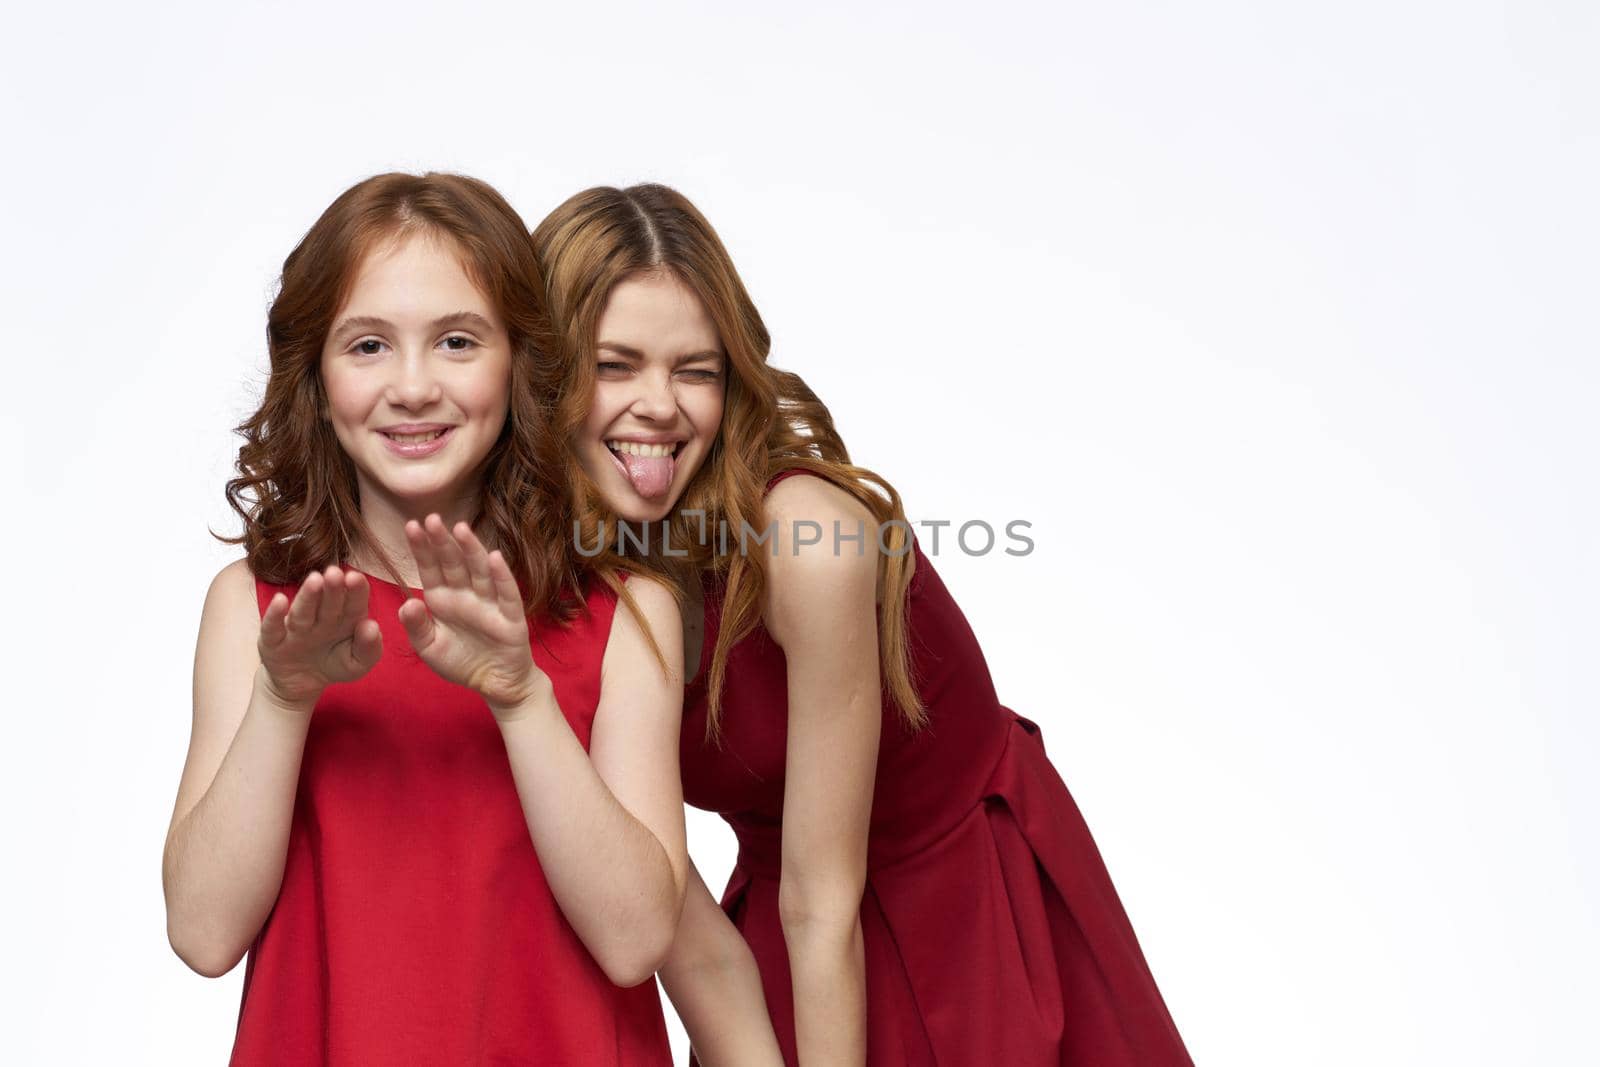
x=413 y=385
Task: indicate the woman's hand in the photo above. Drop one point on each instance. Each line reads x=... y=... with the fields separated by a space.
x=469 y=626
x=323 y=637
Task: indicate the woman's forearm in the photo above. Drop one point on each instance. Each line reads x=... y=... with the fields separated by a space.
x=827 y=965
x=608 y=872
x=223 y=863
x=714 y=983
x=723 y=1009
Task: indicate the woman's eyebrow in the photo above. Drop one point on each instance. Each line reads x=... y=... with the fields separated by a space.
x=633 y=353
x=693 y=357
x=373 y=322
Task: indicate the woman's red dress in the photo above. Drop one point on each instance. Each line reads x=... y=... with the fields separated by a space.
x=993 y=935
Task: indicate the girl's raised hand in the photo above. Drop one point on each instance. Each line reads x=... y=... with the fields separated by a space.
x=470 y=626
x=323 y=637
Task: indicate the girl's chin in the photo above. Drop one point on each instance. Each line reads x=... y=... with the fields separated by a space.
x=421 y=491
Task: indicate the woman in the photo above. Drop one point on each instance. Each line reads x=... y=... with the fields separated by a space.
x=441 y=835
x=914 y=883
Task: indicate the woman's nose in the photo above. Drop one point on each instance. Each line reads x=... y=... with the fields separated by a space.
x=656 y=399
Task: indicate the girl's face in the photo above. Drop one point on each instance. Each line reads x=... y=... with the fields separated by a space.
x=659 y=377
x=417 y=371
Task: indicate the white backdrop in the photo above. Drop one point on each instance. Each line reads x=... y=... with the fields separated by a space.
x=1275 y=320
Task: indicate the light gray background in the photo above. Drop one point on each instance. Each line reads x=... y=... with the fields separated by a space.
x=1275 y=320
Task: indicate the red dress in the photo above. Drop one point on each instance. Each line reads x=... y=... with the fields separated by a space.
x=993 y=935
x=414 y=924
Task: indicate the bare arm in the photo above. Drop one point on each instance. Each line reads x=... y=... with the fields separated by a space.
x=821 y=610
x=715 y=985
x=222 y=865
x=607 y=823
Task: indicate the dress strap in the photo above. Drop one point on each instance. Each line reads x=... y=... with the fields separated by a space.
x=787 y=473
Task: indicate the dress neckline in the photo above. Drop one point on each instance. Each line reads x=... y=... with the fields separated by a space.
x=381 y=581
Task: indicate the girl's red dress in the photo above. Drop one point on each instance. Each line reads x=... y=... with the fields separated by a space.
x=414 y=924
x=993 y=935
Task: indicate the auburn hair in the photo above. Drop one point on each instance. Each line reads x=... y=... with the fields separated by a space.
x=296 y=491
x=771 y=420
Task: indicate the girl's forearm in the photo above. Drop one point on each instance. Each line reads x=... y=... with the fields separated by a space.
x=608 y=872
x=827 y=965
x=223 y=862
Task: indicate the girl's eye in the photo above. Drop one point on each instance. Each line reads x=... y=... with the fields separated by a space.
x=700 y=375
x=459 y=344
x=369 y=347
x=610 y=366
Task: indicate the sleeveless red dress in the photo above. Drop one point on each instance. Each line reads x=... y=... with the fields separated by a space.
x=993 y=935
x=414 y=924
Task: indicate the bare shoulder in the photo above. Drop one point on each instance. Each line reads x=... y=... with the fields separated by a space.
x=231 y=598
x=818 y=530
x=823 y=563
x=810 y=498
x=229 y=625
x=234 y=579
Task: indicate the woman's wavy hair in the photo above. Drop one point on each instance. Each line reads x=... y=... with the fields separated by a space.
x=296 y=491
x=771 y=420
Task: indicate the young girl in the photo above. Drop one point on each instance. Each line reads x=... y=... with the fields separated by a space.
x=914 y=882
x=442 y=837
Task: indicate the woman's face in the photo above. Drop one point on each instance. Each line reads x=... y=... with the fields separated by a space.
x=417 y=371
x=657 y=406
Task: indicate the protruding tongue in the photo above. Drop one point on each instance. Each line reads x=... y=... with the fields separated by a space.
x=650 y=475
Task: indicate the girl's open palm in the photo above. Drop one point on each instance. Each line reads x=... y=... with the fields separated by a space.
x=324 y=636
x=469 y=626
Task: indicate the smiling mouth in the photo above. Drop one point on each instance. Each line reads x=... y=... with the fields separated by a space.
x=416 y=438
x=639 y=448
x=416 y=444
